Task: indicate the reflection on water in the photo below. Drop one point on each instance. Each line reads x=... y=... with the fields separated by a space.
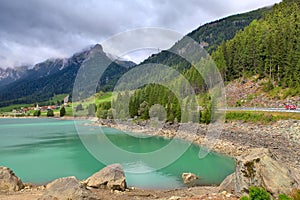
x=40 y=150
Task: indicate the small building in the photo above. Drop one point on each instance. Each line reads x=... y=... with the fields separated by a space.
x=66 y=100
x=37 y=107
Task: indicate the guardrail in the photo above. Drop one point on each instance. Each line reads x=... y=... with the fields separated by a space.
x=261 y=109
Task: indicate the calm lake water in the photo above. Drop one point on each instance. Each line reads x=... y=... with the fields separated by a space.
x=41 y=150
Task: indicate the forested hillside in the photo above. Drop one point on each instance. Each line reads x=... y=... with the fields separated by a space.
x=269 y=47
x=210 y=36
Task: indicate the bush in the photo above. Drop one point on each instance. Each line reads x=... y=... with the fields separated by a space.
x=104 y=105
x=144 y=110
x=50 y=113
x=256 y=193
x=238 y=103
x=102 y=110
x=110 y=114
x=91 y=110
x=102 y=114
x=37 y=113
x=268 y=86
x=79 y=107
x=284 y=197
x=62 y=111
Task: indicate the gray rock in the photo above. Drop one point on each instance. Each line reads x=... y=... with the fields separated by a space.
x=66 y=188
x=228 y=184
x=190 y=179
x=111 y=177
x=9 y=181
x=260 y=168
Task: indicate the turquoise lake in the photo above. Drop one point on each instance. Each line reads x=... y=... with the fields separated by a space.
x=41 y=150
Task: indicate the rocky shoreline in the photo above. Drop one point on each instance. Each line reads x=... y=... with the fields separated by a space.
x=282 y=138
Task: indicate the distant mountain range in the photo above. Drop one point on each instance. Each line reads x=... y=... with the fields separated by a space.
x=52 y=77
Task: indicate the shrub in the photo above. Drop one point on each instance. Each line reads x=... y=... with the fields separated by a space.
x=144 y=110
x=104 y=105
x=79 y=108
x=256 y=193
x=50 y=113
x=91 y=109
x=284 y=197
x=37 y=113
x=110 y=114
x=102 y=110
x=238 y=103
x=102 y=114
x=62 y=111
x=268 y=86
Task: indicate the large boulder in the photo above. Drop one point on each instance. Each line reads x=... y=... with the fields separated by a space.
x=110 y=177
x=228 y=184
x=190 y=179
x=66 y=188
x=9 y=181
x=260 y=168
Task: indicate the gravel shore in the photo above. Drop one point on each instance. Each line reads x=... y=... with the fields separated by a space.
x=282 y=138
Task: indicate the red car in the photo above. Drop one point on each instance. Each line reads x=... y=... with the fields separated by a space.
x=290 y=107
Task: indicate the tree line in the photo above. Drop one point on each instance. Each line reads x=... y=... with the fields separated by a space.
x=269 y=47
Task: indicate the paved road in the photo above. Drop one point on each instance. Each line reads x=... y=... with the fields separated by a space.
x=264 y=109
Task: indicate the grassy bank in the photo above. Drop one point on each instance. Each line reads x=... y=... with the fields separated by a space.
x=259 y=116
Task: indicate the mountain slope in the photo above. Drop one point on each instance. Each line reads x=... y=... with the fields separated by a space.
x=57 y=76
x=269 y=47
x=10 y=75
x=210 y=36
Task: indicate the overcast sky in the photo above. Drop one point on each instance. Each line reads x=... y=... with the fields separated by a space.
x=34 y=30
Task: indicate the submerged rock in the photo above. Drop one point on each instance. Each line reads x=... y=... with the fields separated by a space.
x=260 y=168
x=9 y=182
x=66 y=188
x=190 y=179
x=111 y=177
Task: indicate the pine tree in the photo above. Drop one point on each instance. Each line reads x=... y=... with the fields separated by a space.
x=62 y=111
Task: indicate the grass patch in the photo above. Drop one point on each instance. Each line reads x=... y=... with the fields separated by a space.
x=12 y=107
x=96 y=99
x=54 y=100
x=260 y=117
x=103 y=98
